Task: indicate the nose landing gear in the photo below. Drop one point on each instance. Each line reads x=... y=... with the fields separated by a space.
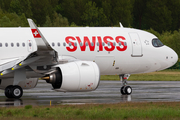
x=125 y=90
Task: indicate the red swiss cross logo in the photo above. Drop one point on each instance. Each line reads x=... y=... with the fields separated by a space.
x=35 y=33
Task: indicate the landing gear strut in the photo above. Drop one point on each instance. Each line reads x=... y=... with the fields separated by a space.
x=13 y=91
x=125 y=90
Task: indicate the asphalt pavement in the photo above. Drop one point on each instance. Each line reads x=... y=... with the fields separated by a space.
x=107 y=92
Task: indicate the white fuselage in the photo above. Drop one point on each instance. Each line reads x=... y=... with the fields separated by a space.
x=125 y=50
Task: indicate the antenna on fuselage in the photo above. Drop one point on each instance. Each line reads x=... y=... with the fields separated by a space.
x=121 y=26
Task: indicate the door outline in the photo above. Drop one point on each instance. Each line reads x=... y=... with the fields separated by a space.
x=136 y=45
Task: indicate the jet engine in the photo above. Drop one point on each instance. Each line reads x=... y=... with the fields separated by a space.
x=75 y=76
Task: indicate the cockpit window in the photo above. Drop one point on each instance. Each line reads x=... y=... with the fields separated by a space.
x=157 y=43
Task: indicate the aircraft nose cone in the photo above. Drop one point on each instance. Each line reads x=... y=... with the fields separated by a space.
x=170 y=58
x=174 y=57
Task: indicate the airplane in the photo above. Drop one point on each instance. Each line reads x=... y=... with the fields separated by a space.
x=73 y=58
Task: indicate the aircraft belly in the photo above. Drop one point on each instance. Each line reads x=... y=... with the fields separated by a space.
x=104 y=63
x=129 y=66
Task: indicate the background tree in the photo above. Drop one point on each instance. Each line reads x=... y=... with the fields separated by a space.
x=58 y=21
x=41 y=9
x=157 y=16
x=5 y=4
x=72 y=9
x=162 y=15
x=173 y=6
x=93 y=16
x=107 y=8
x=26 y=7
x=12 y=20
x=139 y=10
x=122 y=12
x=48 y=22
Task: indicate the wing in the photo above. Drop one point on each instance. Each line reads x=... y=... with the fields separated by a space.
x=44 y=56
x=41 y=42
x=48 y=54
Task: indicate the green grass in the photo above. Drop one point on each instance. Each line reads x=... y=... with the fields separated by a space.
x=166 y=75
x=124 y=111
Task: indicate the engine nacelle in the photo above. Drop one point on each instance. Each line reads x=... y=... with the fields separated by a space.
x=75 y=76
x=26 y=84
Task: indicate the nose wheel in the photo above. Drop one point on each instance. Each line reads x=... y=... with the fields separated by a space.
x=125 y=90
x=13 y=91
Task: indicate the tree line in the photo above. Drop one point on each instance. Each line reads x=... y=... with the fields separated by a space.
x=161 y=17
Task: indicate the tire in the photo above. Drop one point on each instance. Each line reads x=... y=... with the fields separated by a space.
x=17 y=92
x=128 y=90
x=8 y=91
x=122 y=90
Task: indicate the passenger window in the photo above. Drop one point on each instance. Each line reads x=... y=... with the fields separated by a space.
x=119 y=43
x=75 y=44
x=0 y=44
x=17 y=44
x=12 y=44
x=70 y=44
x=125 y=44
x=53 y=44
x=114 y=44
x=6 y=44
x=92 y=44
x=58 y=44
x=157 y=43
x=108 y=43
x=81 y=44
x=97 y=43
x=23 y=44
x=86 y=44
x=64 y=44
x=30 y=44
x=103 y=44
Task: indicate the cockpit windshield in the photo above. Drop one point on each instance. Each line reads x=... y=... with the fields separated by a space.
x=157 y=43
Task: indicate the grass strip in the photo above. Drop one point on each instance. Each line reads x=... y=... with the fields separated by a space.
x=130 y=111
x=166 y=75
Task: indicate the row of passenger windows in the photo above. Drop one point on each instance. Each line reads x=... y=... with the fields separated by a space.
x=14 y=44
x=58 y=44
x=92 y=44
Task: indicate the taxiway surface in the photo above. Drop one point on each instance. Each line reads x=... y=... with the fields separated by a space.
x=107 y=92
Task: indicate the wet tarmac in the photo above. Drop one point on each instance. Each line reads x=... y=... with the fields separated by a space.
x=107 y=92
